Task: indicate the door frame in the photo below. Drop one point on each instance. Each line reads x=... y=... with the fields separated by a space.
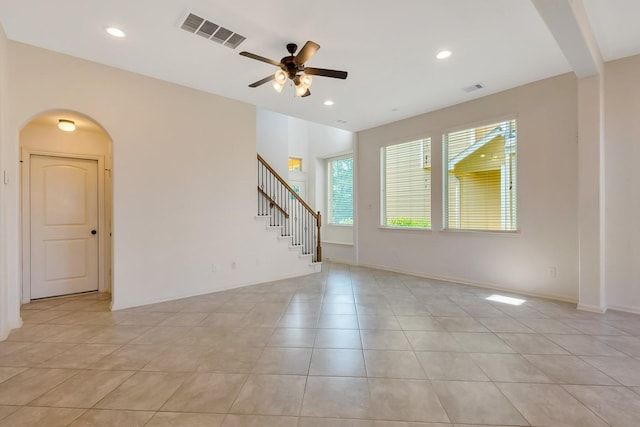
x=25 y=216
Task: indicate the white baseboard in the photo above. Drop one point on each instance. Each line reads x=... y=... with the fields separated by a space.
x=592 y=308
x=625 y=308
x=562 y=298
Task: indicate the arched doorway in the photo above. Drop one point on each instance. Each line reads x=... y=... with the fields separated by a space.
x=66 y=206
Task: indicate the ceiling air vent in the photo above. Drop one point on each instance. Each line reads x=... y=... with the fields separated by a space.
x=207 y=29
x=472 y=87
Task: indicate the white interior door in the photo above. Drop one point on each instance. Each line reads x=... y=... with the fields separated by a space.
x=63 y=221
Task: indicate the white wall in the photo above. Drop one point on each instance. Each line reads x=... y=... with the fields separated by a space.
x=272 y=135
x=184 y=175
x=547 y=197
x=622 y=183
x=8 y=315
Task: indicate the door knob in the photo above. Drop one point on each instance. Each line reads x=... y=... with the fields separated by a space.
x=93 y=231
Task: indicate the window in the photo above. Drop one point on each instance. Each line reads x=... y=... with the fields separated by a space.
x=295 y=164
x=406 y=184
x=340 y=190
x=480 y=181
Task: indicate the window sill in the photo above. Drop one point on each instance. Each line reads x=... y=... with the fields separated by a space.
x=505 y=233
x=338 y=225
x=422 y=229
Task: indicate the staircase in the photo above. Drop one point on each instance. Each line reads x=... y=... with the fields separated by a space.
x=285 y=212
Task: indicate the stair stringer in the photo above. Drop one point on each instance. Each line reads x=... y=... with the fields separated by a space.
x=279 y=255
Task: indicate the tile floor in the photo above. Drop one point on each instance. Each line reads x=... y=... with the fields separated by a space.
x=348 y=347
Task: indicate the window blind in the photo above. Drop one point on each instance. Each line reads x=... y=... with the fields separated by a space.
x=340 y=171
x=480 y=178
x=406 y=184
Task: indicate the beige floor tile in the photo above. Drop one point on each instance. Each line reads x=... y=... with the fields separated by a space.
x=419 y=323
x=176 y=419
x=5 y=411
x=593 y=327
x=504 y=324
x=531 y=344
x=481 y=343
x=41 y=316
x=298 y=320
x=626 y=344
x=338 y=321
x=30 y=384
x=96 y=318
x=97 y=417
x=179 y=359
x=334 y=422
x=80 y=356
x=337 y=362
x=258 y=319
x=130 y=357
x=143 y=391
x=625 y=370
x=139 y=318
x=450 y=366
x=618 y=406
x=548 y=326
x=259 y=421
x=6 y=373
x=184 y=319
x=83 y=390
x=331 y=308
x=584 y=345
x=118 y=334
x=44 y=417
x=406 y=400
x=292 y=337
x=270 y=395
x=8 y=347
x=238 y=359
x=566 y=369
x=337 y=397
x=509 y=368
x=274 y=360
x=206 y=392
x=338 y=338
x=476 y=402
x=549 y=405
x=164 y=335
x=384 y=340
x=392 y=364
x=368 y=321
x=35 y=332
x=75 y=334
x=32 y=354
x=461 y=324
x=433 y=341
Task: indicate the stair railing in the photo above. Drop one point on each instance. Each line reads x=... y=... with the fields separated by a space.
x=288 y=211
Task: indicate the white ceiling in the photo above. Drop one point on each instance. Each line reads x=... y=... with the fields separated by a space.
x=388 y=47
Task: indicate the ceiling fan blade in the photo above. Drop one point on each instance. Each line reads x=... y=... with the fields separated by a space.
x=307 y=93
x=306 y=52
x=260 y=58
x=336 y=74
x=263 y=81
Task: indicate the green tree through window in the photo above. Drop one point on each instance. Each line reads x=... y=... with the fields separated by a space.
x=341 y=190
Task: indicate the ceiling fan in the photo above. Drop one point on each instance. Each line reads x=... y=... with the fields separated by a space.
x=292 y=67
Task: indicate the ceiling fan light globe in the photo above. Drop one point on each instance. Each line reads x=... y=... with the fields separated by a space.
x=300 y=90
x=280 y=76
x=277 y=86
x=306 y=80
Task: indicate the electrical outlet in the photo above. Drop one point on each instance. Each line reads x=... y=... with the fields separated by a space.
x=553 y=272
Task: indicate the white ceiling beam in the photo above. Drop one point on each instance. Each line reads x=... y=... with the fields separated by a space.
x=567 y=20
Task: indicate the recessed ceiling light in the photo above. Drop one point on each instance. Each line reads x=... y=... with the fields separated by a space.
x=116 y=32
x=328 y=102
x=443 y=54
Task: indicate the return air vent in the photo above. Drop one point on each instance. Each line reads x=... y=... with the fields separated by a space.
x=472 y=87
x=209 y=30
